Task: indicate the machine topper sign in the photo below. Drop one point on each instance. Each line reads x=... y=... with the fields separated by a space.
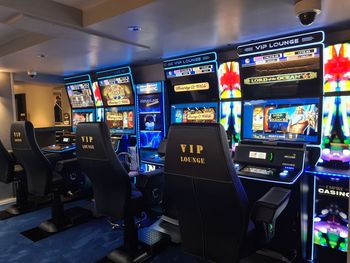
x=285 y=43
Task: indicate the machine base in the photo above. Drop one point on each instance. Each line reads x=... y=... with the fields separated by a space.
x=72 y=217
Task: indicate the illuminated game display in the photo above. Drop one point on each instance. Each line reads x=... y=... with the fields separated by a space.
x=288 y=73
x=337 y=68
x=194 y=113
x=282 y=120
x=80 y=95
x=230 y=118
x=151 y=123
x=193 y=88
x=117 y=91
x=336 y=130
x=85 y=100
x=331 y=214
x=192 y=79
x=82 y=115
x=97 y=94
x=151 y=127
x=120 y=120
x=229 y=80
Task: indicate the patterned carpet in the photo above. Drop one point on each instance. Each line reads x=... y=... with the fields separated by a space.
x=82 y=244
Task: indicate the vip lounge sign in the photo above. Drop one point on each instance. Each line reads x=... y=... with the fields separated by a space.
x=282 y=43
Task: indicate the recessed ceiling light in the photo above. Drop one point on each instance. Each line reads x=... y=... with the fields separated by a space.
x=134 y=28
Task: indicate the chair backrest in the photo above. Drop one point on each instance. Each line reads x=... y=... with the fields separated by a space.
x=37 y=167
x=162 y=147
x=7 y=165
x=96 y=156
x=211 y=204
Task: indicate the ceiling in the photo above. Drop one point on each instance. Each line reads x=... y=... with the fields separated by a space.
x=83 y=35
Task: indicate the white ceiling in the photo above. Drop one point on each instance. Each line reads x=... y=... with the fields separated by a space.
x=169 y=28
x=80 y=4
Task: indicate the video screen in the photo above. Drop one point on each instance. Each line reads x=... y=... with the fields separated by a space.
x=150 y=121
x=337 y=68
x=150 y=139
x=120 y=120
x=336 y=130
x=149 y=88
x=194 y=113
x=193 y=84
x=97 y=94
x=86 y=115
x=80 y=95
x=230 y=118
x=150 y=103
x=117 y=91
x=290 y=73
x=282 y=120
x=100 y=114
x=229 y=80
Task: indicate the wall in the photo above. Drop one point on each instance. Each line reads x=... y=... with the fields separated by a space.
x=40 y=102
x=6 y=118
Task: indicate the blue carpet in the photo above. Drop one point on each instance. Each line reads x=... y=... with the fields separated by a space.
x=82 y=244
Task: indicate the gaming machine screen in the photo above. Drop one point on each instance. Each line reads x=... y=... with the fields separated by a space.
x=150 y=120
x=194 y=113
x=336 y=129
x=120 y=120
x=295 y=120
x=288 y=73
x=97 y=94
x=230 y=118
x=193 y=84
x=80 y=95
x=117 y=91
x=83 y=115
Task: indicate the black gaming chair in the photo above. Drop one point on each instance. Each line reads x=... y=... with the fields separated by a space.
x=12 y=172
x=211 y=204
x=45 y=178
x=114 y=195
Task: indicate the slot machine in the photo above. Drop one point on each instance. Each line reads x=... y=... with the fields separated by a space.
x=281 y=82
x=118 y=97
x=193 y=88
x=331 y=176
x=151 y=124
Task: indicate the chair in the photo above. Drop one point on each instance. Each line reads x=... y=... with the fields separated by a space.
x=12 y=172
x=45 y=178
x=114 y=195
x=211 y=204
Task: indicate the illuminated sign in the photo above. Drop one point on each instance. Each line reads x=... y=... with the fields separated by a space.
x=191 y=87
x=281 y=78
x=190 y=71
x=114 y=117
x=190 y=60
x=201 y=115
x=284 y=42
x=114 y=72
x=149 y=88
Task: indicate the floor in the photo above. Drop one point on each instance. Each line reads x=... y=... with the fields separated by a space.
x=82 y=244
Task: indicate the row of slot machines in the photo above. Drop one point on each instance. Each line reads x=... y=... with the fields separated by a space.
x=300 y=94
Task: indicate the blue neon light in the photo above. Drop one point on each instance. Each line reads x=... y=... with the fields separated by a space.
x=329 y=174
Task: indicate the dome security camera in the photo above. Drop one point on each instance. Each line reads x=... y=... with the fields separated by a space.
x=307 y=10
